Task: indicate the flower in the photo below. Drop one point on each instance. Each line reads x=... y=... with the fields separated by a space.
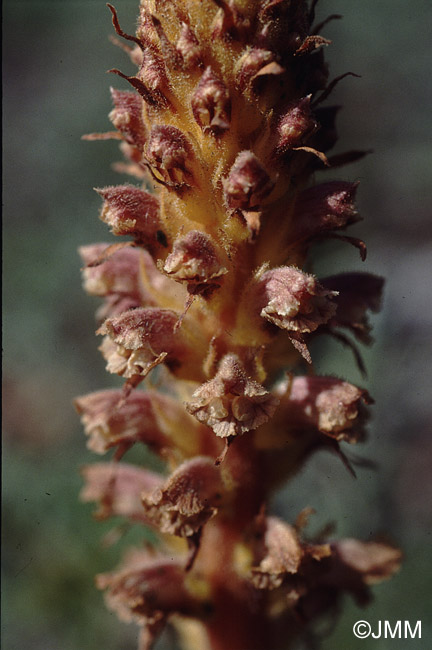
x=232 y=403
x=147 y=589
x=294 y=301
x=195 y=260
x=188 y=499
x=296 y=125
x=118 y=488
x=131 y=211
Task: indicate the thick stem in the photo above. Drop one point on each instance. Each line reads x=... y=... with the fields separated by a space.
x=237 y=620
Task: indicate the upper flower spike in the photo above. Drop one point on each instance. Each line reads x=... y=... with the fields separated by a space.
x=224 y=131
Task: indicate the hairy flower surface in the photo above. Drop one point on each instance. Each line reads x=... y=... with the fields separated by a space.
x=209 y=306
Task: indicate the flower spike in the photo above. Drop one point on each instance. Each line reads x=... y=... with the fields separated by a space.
x=211 y=312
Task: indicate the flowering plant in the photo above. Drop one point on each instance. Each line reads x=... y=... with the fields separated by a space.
x=226 y=122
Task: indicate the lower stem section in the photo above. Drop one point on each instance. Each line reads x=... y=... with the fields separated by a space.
x=238 y=618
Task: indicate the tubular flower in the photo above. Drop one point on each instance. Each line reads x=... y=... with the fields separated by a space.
x=231 y=403
x=188 y=499
x=207 y=303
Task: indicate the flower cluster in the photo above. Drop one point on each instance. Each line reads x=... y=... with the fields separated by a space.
x=224 y=129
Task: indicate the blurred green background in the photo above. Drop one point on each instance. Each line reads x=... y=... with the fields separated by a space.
x=55 y=56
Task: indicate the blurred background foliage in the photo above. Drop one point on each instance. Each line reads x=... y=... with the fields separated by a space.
x=55 y=56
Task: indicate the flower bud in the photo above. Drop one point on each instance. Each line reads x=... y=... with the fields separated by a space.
x=188 y=47
x=168 y=151
x=347 y=565
x=146 y=30
x=152 y=73
x=139 y=327
x=231 y=403
x=352 y=566
x=151 y=78
x=148 y=417
x=127 y=117
x=152 y=70
x=247 y=183
x=133 y=165
x=296 y=125
x=293 y=300
x=128 y=278
x=325 y=207
x=169 y=53
x=188 y=499
x=255 y=62
x=194 y=260
x=211 y=105
x=131 y=211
